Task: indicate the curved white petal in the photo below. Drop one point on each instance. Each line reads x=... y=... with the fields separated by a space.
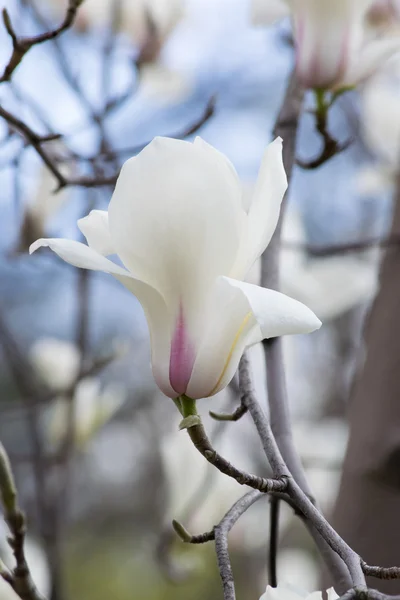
x=218 y=156
x=276 y=313
x=332 y=595
x=79 y=255
x=265 y=12
x=373 y=55
x=381 y=119
x=286 y=592
x=95 y=229
x=230 y=322
x=176 y=220
x=157 y=315
x=242 y=314
x=263 y=213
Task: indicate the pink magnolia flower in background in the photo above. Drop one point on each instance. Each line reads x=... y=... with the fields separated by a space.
x=335 y=47
x=176 y=220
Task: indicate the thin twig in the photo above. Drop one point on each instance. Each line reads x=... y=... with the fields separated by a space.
x=273 y=541
x=347 y=247
x=200 y=440
x=21 y=45
x=221 y=541
x=331 y=147
x=380 y=572
x=19 y=578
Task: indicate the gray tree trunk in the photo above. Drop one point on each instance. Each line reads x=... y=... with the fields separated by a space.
x=367 y=512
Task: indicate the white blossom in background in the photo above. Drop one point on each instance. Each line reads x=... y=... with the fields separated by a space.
x=186 y=473
x=94 y=406
x=148 y=24
x=138 y=19
x=291 y=593
x=177 y=222
x=298 y=568
x=330 y=286
x=334 y=44
x=322 y=446
x=380 y=119
x=44 y=203
x=56 y=361
x=193 y=482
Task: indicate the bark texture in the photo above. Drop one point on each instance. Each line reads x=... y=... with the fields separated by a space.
x=367 y=512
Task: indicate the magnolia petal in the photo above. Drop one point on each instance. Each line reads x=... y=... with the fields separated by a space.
x=176 y=220
x=332 y=595
x=267 y=12
x=315 y=596
x=240 y=315
x=286 y=592
x=327 y=35
x=95 y=229
x=264 y=210
x=80 y=255
x=374 y=54
x=219 y=157
x=229 y=323
x=276 y=313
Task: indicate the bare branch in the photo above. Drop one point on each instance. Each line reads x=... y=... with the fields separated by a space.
x=19 y=578
x=300 y=499
x=197 y=434
x=331 y=147
x=345 y=248
x=380 y=572
x=273 y=541
x=21 y=45
x=221 y=541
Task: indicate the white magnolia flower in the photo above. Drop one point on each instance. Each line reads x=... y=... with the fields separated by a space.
x=138 y=19
x=380 y=118
x=186 y=473
x=288 y=593
x=93 y=408
x=334 y=46
x=298 y=567
x=148 y=24
x=56 y=361
x=44 y=202
x=177 y=223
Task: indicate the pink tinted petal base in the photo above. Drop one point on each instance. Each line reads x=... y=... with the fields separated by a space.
x=312 y=72
x=182 y=356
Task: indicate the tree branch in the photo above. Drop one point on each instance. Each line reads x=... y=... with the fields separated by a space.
x=286 y=127
x=221 y=541
x=21 y=45
x=303 y=503
x=19 y=578
x=198 y=435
